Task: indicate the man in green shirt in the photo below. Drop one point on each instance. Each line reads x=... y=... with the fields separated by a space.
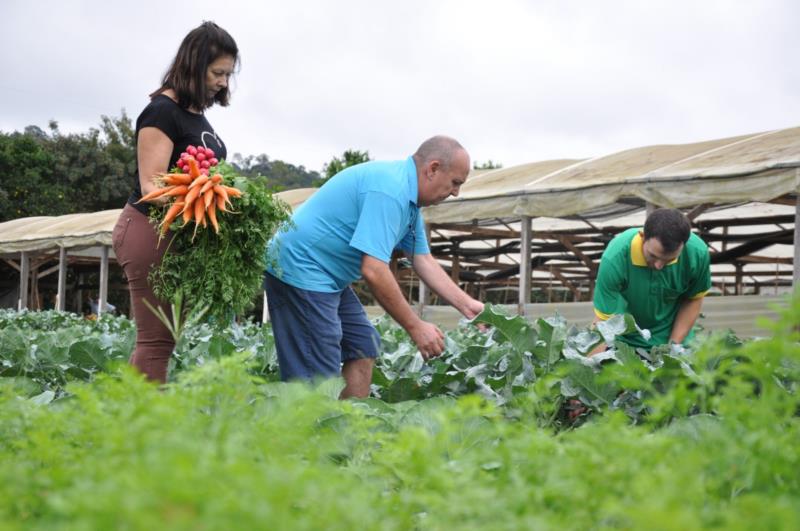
x=659 y=275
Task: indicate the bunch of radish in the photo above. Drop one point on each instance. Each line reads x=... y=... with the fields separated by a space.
x=204 y=156
x=194 y=194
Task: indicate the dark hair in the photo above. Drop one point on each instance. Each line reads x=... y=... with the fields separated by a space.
x=187 y=73
x=670 y=226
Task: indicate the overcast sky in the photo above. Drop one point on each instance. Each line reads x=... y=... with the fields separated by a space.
x=514 y=81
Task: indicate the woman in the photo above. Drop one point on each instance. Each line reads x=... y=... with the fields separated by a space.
x=196 y=80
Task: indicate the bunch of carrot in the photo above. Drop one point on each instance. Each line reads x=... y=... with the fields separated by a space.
x=196 y=195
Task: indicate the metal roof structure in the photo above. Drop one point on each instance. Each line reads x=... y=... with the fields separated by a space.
x=546 y=223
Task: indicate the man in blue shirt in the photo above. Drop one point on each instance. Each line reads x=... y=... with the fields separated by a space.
x=348 y=230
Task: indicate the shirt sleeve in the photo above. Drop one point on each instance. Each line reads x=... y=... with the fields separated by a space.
x=161 y=117
x=379 y=226
x=701 y=278
x=608 y=299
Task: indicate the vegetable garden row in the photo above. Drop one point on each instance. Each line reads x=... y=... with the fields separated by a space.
x=485 y=437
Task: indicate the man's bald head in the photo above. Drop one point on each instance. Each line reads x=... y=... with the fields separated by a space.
x=440 y=147
x=442 y=167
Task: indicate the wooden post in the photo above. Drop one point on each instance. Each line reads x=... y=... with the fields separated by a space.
x=455 y=269
x=101 y=302
x=524 y=264
x=62 y=279
x=423 y=288
x=796 y=262
x=739 y=287
x=24 y=276
x=79 y=296
x=34 y=301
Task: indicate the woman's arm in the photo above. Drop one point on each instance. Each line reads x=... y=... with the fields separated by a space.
x=153 y=152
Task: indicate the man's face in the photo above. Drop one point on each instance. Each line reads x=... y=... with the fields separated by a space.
x=440 y=182
x=655 y=256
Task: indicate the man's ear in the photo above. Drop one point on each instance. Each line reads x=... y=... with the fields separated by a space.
x=433 y=166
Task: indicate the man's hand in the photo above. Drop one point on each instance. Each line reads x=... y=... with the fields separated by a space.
x=473 y=309
x=428 y=338
x=602 y=347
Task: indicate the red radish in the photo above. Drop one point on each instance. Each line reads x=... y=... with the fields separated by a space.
x=205 y=164
x=213 y=161
x=200 y=156
x=191 y=150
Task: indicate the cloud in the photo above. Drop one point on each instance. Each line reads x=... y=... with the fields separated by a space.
x=515 y=81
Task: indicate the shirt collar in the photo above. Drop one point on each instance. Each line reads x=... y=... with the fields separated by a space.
x=411 y=174
x=637 y=253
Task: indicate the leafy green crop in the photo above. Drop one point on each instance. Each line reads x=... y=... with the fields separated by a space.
x=540 y=364
x=677 y=440
x=43 y=351
x=223 y=449
x=222 y=272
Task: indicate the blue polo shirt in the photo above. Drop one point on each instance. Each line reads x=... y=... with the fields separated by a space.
x=370 y=208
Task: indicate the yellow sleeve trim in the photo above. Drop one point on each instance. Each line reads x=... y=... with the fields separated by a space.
x=601 y=315
x=637 y=254
x=699 y=295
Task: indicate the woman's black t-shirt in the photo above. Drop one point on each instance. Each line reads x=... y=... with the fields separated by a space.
x=184 y=128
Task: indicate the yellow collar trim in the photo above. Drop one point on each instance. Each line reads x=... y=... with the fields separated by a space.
x=637 y=254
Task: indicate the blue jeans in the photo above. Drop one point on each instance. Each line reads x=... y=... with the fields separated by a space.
x=315 y=331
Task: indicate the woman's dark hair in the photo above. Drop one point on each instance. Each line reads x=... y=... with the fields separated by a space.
x=187 y=74
x=670 y=226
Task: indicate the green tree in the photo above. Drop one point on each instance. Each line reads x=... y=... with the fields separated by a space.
x=50 y=173
x=488 y=165
x=95 y=169
x=276 y=174
x=350 y=157
x=25 y=170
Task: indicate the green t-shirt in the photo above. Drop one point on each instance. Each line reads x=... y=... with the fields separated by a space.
x=625 y=284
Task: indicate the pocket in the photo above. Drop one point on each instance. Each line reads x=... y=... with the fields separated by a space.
x=119 y=232
x=671 y=295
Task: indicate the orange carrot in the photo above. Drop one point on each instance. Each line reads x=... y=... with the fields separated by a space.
x=212 y=216
x=220 y=201
x=170 y=216
x=232 y=192
x=199 y=212
x=192 y=195
x=200 y=181
x=177 y=178
x=207 y=186
x=177 y=191
x=194 y=168
x=208 y=197
x=187 y=214
x=220 y=189
x=158 y=192
x=217 y=178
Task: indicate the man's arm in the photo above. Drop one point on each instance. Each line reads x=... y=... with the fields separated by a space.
x=378 y=276
x=685 y=319
x=602 y=346
x=439 y=281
